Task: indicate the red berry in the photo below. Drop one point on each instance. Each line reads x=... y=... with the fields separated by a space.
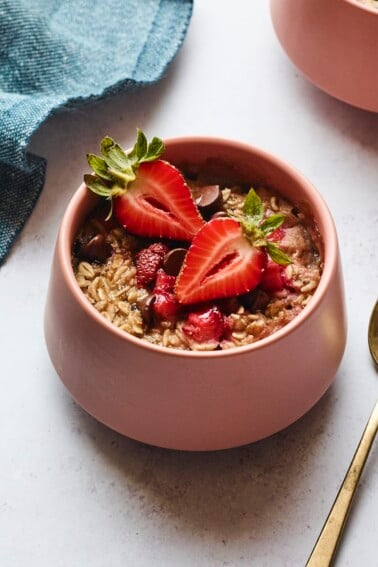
x=148 y=261
x=205 y=325
x=164 y=282
x=220 y=262
x=159 y=248
x=277 y=235
x=158 y=204
x=166 y=307
x=273 y=278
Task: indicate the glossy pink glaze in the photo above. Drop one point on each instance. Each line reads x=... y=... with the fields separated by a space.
x=333 y=42
x=196 y=400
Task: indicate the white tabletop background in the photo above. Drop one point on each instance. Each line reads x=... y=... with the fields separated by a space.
x=74 y=493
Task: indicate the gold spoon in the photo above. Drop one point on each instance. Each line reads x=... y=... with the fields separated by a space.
x=325 y=548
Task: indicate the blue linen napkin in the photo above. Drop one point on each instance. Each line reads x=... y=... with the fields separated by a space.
x=59 y=52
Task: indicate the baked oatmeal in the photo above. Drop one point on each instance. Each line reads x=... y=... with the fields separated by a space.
x=240 y=266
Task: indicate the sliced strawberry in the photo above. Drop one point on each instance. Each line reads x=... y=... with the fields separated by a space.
x=206 y=325
x=220 y=262
x=148 y=261
x=158 y=204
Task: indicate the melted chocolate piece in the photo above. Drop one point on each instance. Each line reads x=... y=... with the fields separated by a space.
x=145 y=306
x=96 y=249
x=209 y=199
x=229 y=305
x=219 y=215
x=173 y=261
x=255 y=300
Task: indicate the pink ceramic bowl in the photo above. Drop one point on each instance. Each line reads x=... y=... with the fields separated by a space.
x=199 y=400
x=333 y=42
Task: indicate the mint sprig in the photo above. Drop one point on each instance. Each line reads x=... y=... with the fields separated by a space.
x=116 y=169
x=256 y=229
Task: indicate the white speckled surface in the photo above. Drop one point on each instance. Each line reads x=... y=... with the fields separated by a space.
x=73 y=492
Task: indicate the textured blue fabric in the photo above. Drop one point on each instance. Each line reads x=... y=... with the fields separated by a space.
x=63 y=52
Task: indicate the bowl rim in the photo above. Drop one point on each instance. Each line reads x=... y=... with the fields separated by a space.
x=329 y=238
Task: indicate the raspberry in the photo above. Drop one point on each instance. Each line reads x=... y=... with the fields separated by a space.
x=164 y=282
x=166 y=307
x=158 y=248
x=148 y=262
x=205 y=325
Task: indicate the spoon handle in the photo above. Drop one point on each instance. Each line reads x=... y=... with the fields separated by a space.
x=325 y=548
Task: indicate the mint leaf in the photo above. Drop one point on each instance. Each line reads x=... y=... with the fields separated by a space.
x=253 y=208
x=272 y=223
x=277 y=254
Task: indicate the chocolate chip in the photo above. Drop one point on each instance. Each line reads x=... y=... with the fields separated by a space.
x=92 y=228
x=229 y=305
x=209 y=199
x=96 y=249
x=145 y=306
x=173 y=261
x=255 y=300
x=219 y=215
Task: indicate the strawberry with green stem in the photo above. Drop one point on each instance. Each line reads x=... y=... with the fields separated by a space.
x=228 y=257
x=150 y=196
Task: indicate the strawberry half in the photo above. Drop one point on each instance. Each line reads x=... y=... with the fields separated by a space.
x=151 y=197
x=220 y=263
x=158 y=204
x=228 y=257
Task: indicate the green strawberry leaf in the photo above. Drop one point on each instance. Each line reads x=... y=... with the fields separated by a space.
x=124 y=177
x=272 y=223
x=109 y=215
x=155 y=148
x=99 y=166
x=139 y=150
x=116 y=169
x=114 y=155
x=277 y=254
x=97 y=186
x=253 y=208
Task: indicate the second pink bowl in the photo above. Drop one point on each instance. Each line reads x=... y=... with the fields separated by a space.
x=334 y=43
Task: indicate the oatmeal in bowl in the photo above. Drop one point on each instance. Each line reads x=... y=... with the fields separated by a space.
x=245 y=265
x=195 y=301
